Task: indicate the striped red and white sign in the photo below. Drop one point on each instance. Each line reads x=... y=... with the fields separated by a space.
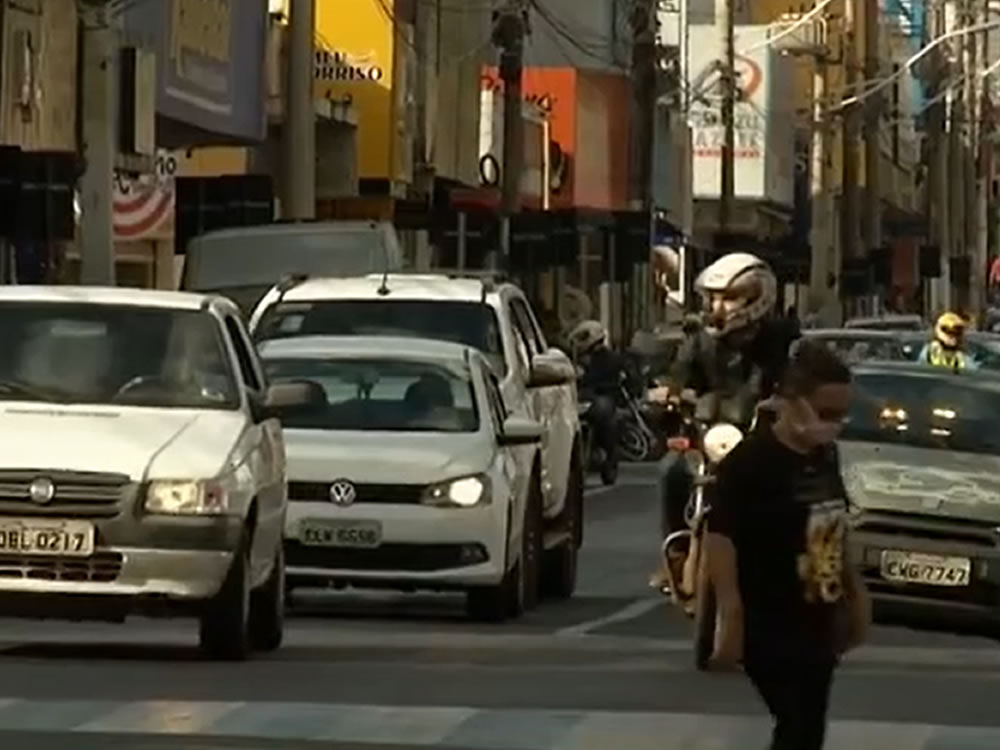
x=143 y=207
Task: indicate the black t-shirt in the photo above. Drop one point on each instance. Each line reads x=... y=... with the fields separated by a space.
x=786 y=514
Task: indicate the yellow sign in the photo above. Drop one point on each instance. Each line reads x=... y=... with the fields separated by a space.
x=354 y=59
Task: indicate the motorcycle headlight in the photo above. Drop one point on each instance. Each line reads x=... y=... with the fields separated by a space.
x=187 y=498
x=719 y=440
x=465 y=492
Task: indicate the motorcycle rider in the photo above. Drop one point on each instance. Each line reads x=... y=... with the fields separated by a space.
x=732 y=364
x=599 y=383
x=947 y=348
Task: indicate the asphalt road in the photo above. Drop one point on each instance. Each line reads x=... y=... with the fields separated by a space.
x=609 y=669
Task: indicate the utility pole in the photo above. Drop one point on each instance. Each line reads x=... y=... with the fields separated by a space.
x=644 y=92
x=99 y=120
x=979 y=234
x=822 y=260
x=850 y=196
x=725 y=21
x=937 y=173
x=643 y=76
x=510 y=25
x=299 y=130
x=872 y=135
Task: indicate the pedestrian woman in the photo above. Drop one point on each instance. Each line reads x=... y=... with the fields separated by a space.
x=789 y=603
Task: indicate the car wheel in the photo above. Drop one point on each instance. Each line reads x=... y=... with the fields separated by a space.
x=704 y=626
x=560 y=563
x=267 y=608
x=224 y=630
x=497 y=603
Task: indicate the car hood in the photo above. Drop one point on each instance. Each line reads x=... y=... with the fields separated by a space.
x=384 y=457
x=144 y=443
x=922 y=480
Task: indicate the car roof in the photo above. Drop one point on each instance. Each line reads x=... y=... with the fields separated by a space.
x=987 y=379
x=98 y=295
x=852 y=333
x=405 y=286
x=381 y=347
x=890 y=318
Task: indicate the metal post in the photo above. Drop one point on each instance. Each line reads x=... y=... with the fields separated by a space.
x=821 y=264
x=99 y=117
x=462 y=239
x=725 y=21
x=873 y=146
x=850 y=196
x=299 y=129
x=937 y=175
x=508 y=34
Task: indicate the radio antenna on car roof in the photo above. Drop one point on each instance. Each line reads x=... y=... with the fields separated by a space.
x=383 y=289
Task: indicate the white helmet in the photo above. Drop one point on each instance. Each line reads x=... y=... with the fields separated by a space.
x=586 y=335
x=738 y=289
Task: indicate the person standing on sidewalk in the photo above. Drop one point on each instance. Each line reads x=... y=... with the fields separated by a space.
x=789 y=602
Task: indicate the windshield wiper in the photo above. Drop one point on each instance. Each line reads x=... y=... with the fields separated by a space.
x=20 y=389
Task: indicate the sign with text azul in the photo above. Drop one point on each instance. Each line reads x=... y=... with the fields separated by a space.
x=209 y=61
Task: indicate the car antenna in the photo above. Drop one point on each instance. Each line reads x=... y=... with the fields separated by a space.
x=383 y=289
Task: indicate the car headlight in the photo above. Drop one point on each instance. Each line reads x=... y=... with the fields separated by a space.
x=464 y=492
x=187 y=498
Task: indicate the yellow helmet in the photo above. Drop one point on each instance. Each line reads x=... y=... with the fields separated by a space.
x=950 y=330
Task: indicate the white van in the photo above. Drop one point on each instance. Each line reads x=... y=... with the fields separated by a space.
x=244 y=262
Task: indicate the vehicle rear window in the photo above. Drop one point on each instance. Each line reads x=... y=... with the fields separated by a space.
x=855 y=349
x=379 y=394
x=470 y=323
x=924 y=411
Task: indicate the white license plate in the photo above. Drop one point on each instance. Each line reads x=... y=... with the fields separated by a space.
x=319 y=533
x=43 y=536
x=930 y=570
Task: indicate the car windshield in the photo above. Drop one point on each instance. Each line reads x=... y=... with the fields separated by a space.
x=385 y=395
x=470 y=323
x=855 y=349
x=113 y=354
x=924 y=411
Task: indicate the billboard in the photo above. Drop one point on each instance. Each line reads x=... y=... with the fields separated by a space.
x=764 y=121
x=210 y=57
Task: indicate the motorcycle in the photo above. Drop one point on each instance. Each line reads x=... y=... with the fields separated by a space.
x=595 y=455
x=686 y=579
x=637 y=440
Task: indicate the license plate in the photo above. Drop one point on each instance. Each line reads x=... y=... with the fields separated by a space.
x=364 y=534
x=930 y=570
x=36 y=536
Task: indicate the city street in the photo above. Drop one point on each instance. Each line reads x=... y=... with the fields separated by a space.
x=609 y=670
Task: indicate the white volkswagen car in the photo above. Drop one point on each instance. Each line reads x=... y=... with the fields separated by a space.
x=401 y=471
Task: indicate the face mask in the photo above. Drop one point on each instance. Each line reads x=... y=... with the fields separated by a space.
x=813 y=430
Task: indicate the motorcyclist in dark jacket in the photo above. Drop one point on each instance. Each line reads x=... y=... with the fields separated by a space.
x=732 y=364
x=599 y=383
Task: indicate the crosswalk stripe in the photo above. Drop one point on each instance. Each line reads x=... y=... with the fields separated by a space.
x=456 y=726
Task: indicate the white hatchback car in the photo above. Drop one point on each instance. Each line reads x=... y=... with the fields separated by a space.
x=142 y=468
x=402 y=471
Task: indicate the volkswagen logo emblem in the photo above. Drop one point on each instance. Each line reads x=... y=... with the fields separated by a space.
x=342 y=492
x=41 y=491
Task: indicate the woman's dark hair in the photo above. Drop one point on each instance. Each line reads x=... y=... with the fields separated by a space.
x=812 y=364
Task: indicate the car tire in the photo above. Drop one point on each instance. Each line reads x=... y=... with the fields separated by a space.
x=704 y=627
x=267 y=608
x=560 y=563
x=497 y=603
x=225 y=623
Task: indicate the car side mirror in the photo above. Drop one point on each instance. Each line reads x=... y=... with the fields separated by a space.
x=520 y=431
x=552 y=368
x=282 y=398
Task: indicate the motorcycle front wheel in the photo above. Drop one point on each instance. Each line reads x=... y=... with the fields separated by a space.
x=633 y=443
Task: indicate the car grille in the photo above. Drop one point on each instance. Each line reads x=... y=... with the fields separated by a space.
x=386 y=494
x=77 y=494
x=101 y=567
x=936 y=528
